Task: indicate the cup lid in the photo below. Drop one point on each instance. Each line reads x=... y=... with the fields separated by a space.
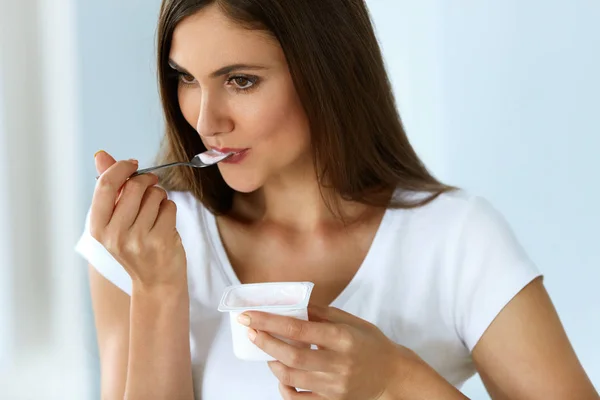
x=265 y=296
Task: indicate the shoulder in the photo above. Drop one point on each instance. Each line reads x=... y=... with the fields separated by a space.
x=475 y=222
x=465 y=231
x=452 y=215
x=471 y=255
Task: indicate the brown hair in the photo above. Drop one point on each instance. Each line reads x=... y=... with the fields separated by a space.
x=360 y=148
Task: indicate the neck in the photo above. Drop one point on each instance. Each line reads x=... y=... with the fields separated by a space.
x=296 y=202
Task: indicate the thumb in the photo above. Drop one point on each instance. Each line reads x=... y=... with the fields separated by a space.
x=103 y=161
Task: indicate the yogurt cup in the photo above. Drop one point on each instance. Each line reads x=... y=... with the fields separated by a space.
x=282 y=298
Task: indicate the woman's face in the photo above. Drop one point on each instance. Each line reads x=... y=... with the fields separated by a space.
x=235 y=88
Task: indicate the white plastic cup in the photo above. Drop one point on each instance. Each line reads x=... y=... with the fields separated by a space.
x=281 y=298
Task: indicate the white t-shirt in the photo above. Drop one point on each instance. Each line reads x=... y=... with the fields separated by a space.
x=433 y=280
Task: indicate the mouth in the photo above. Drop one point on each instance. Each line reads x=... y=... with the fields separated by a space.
x=225 y=150
x=236 y=158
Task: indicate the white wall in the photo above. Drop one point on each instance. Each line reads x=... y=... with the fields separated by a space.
x=42 y=332
x=501 y=98
x=6 y=275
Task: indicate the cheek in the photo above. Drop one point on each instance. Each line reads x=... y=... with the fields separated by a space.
x=279 y=123
x=292 y=138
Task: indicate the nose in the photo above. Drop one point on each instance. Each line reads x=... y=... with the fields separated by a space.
x=213 y=117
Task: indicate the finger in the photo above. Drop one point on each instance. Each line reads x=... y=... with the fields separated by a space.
x=334 y=315
x=290 y=393
x=298 y=357
x=315 y=382
x=128 y=206
x=103 y=161
x=167 y=216
x=314 y=316
x=107 y=190
x=323 y=334
x=149 y=208
x=287 y=392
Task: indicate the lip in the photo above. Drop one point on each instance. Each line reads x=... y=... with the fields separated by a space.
x=238 y=157
x=228 y=150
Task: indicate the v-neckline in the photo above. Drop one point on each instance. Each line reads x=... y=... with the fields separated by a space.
x=216 y=242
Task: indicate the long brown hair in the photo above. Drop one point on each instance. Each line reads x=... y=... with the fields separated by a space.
x=360 y=148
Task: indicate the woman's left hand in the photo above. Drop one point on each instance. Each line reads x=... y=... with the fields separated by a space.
x=354 y=360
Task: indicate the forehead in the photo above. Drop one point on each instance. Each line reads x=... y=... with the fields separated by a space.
x=208 y=40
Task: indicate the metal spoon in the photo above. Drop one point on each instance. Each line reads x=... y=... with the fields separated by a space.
x=206 y=159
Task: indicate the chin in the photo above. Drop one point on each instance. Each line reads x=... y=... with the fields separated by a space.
x=241 y=182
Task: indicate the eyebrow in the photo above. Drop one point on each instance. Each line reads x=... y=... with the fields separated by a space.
x=221 y=71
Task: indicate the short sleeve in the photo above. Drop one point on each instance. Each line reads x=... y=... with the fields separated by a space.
x=491 y=268
x=95 y=254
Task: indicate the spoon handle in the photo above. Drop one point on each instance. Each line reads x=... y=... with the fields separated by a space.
x=146 y=170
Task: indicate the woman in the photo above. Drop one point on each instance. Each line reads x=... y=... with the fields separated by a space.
x=417 y=285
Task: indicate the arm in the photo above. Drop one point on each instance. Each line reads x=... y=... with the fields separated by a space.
x=111 y=317
x=525 y=353
x=421 y=382
x=143 y=341
x=505 y=317
x=159 y=345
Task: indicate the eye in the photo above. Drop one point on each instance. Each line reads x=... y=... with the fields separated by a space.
x=242 y=82
x=186 y=79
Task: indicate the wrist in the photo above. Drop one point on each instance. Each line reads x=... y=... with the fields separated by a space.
x=404 y=366
x=159 y=302
x=160 y=291
x=415 y=379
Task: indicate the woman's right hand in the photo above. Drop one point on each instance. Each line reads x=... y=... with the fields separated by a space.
x=135 y=222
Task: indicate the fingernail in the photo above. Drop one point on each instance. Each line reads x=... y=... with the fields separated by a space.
x=98 y=152
x=244 y=319
x=252 y=334
x=133 y=160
